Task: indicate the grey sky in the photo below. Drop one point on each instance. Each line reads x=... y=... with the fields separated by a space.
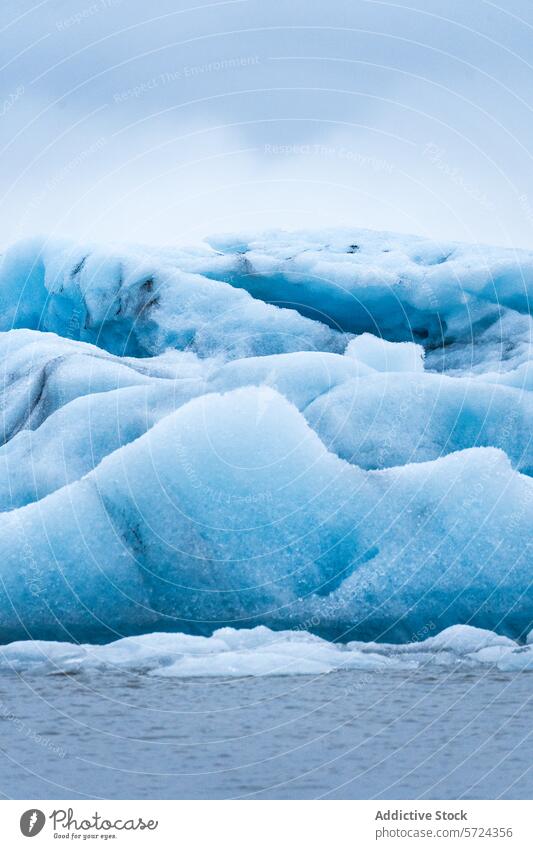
x=164 y=121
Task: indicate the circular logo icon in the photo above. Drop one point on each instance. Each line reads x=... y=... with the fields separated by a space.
x=32 y=822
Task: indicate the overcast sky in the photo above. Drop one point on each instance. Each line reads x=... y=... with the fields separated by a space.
x=164 y=121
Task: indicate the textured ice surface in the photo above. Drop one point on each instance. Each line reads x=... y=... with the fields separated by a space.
x=391 y=419
x=66 y=405
x=386 y=356
x=234 y=653
x=138 y=304
x=328 y=432
x=232 y=511
x=446 y=296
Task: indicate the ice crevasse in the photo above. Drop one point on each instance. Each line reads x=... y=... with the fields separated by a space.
x=304 y=432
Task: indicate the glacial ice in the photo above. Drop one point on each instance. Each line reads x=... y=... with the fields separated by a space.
x=404 y=288
x=390 y=420
x=133 y=304
x=231 y=511
x=329 y=433
x=382 y=355
x=67 y=405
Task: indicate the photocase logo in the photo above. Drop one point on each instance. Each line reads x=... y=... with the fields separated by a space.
x=32 y=822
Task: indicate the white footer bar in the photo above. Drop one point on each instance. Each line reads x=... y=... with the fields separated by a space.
x=268 y=824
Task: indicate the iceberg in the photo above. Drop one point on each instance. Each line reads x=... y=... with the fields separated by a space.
x=320 y=435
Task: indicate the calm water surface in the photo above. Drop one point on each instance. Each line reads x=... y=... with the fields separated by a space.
x=418 y=734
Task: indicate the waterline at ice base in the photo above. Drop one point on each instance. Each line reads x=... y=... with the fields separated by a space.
x=277 y=453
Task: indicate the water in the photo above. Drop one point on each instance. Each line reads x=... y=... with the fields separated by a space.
x=404 y=734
